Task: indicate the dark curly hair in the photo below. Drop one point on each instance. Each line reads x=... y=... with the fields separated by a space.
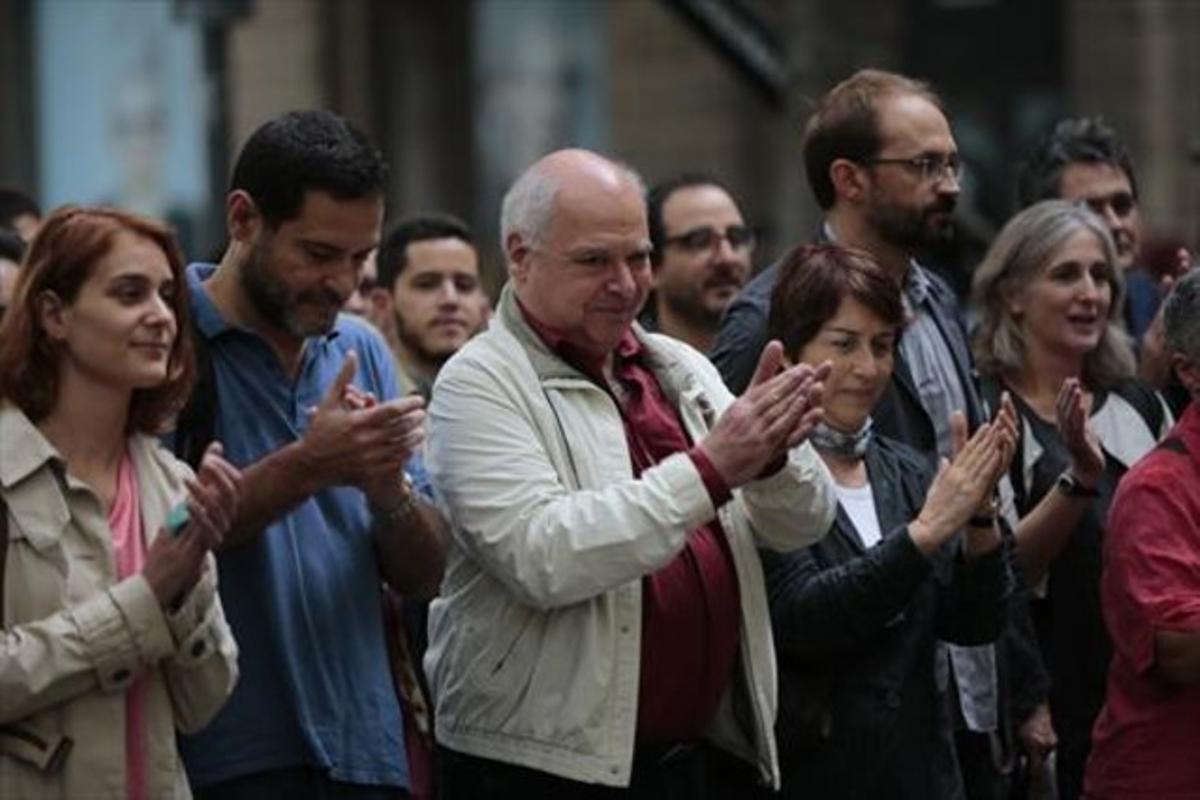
x=302 y=151
x=1079 y=140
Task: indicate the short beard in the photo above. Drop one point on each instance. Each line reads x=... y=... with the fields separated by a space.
x=411 y=344
x=690 y=307
x=911 y=230
x=271 y=299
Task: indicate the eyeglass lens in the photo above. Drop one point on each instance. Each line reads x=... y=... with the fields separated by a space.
x=1121 y=203
x=740 y=237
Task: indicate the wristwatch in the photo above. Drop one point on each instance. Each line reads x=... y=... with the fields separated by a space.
x=985 y=517
x=1069 y=485
x=403 y=509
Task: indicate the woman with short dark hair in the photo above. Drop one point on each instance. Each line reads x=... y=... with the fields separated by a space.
x=912 y=558
x=113 y=634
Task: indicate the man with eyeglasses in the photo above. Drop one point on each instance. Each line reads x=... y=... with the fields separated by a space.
x=701 y=257
x=884 y=167
x=602 y=630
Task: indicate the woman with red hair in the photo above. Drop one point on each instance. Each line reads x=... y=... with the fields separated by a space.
x=113 y=634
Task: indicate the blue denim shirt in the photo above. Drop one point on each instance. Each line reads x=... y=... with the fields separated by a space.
x=303 y=599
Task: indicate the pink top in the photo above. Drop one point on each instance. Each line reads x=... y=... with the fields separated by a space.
x=129 y=545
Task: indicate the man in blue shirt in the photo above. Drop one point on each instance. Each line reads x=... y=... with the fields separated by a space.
x=306 y=404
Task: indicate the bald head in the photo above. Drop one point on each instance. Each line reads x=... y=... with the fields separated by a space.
x=578 y=247
x=529 y=205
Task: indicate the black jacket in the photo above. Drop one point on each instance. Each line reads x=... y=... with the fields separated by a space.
x=856 y=631
x=1023 y=681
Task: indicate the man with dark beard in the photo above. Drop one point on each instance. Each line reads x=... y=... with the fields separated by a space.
x=429 y=296
x=305 y=404
x=701 y=257
x=884 y=167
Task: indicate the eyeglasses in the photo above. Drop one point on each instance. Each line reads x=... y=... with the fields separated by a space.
x=1121 y=203
x=933 y=166
x=702 y=240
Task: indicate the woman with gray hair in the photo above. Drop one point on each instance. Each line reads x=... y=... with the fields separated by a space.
x=1049 y=296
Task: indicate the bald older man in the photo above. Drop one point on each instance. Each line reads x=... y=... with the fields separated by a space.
x=603 y=622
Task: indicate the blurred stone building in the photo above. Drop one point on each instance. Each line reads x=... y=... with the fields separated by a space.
x=463 y=94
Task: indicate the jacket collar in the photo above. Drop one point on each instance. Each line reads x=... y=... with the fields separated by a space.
x=674 y=376
x=24 y=452
x=887 y=486
x=23 y=448
x=1188 y=428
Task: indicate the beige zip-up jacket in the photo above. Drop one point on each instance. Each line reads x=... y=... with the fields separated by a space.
x=535 y=640
x=74 y=637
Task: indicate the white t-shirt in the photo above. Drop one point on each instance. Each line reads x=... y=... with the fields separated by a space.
x=860 y=506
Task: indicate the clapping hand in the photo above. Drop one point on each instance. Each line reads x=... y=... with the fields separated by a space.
x=964 y=485
x=1154 y=363
x=354 y=440
x=175 y=561
x=776 y=413
x=1073 y=410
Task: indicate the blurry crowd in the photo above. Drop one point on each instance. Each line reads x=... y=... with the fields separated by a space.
x=324 y=520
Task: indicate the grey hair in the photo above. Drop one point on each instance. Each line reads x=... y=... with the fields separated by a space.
x=1018 y=255
x=528 y=205
x=1181 y=317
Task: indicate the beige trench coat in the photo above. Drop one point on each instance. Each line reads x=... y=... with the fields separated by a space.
x=74 y=637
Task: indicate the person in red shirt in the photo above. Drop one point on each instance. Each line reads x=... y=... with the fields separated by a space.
x=1145 y=741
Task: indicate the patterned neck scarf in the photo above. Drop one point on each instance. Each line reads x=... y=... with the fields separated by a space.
x=847 y=445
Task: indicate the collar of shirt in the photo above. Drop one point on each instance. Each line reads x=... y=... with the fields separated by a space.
x=208 y=318
x=912 y=294
x=1188 y=428
x=916 y=286
x=628 y=348
x=628 y=366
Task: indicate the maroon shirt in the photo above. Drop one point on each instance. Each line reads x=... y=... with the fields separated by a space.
x=691 y=610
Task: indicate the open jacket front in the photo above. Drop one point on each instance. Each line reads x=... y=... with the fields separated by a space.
x=535 y=640
x=74 y=637
x=856 y=629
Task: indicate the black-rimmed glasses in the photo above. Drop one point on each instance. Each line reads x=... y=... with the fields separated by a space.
x=741 y=239
x=1121 y=203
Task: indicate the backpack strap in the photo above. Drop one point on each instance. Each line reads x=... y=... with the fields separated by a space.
x=196 y=426
x=1145 y=401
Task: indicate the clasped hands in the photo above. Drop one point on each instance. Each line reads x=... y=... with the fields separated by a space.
x=353 y=439
x=965 y=484
x=175 y=562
